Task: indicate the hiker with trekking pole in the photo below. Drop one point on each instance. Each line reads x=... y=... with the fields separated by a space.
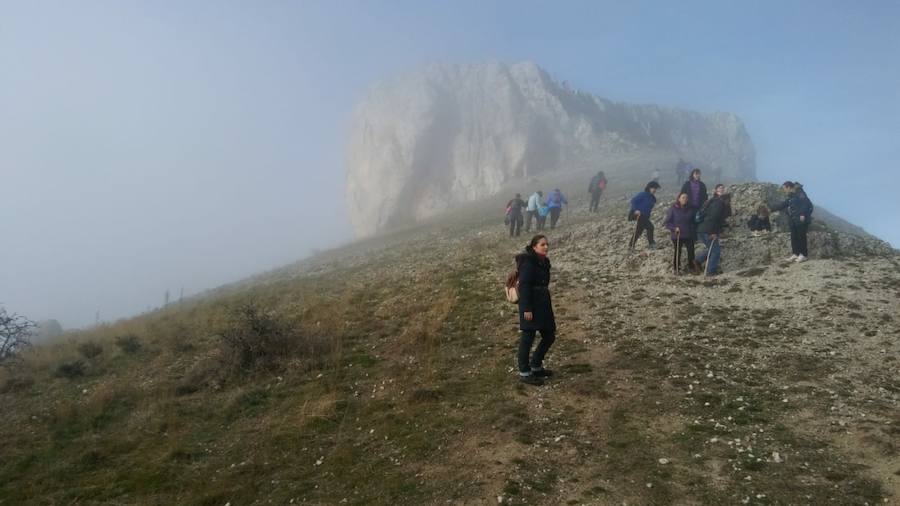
x=709 y=230
x=641 y=207
x=595 y=188
x=680 y=221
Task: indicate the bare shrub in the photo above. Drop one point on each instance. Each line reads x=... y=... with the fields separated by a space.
x=129 y=343
x=257 y=339
x=90 y=350
x=15 y=332
x=71 y=370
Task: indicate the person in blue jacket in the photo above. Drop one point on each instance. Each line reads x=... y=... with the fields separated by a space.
x=555 y=201
x=641 y=207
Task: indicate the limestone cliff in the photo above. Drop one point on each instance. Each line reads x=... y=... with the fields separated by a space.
x=450 y=134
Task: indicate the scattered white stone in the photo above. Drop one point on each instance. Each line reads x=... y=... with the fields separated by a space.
x=499 y=499
x=557 y=439
x=649 y=485
x=319 y=462
x=663 y=461
x=776 y=457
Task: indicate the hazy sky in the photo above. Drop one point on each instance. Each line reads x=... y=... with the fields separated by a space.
x=147 y=146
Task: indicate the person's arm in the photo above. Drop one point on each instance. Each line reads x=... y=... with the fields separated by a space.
x=669 y=222
x=781 y=206
x=526 y=281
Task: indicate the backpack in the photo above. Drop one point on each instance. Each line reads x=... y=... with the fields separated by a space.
x=543 y=211
x=512 y=287
x=602 y=184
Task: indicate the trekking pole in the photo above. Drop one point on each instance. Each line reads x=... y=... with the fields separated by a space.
x=634 y=235
x=709 y=253
x=677 y=250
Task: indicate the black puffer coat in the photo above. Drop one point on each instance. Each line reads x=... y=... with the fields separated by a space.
x=534 y=291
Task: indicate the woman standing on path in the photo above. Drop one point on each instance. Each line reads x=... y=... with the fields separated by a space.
x=535 y=310
x=680 y=221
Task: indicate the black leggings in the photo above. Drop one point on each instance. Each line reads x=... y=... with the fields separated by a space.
x=799 y=244
x=595 y=199
x=525 y=343
x=643 y=223
x=687 y=243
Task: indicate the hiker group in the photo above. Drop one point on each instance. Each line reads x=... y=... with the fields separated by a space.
x=694 y=216
x=536 y=209
x=697 y=217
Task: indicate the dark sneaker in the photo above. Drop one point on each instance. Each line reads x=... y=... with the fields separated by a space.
x=542 y=373
x=531 y=379
x=652 y=245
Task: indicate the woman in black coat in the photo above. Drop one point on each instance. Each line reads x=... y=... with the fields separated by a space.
x=535 y=310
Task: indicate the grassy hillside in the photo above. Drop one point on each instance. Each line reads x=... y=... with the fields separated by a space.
x=383 y=373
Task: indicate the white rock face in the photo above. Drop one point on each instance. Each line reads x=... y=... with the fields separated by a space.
x=450 y=134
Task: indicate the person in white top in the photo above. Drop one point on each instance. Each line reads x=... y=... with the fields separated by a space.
x=531 y=210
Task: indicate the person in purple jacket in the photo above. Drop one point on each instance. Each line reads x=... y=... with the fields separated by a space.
x=680 y=221
x=696 y=190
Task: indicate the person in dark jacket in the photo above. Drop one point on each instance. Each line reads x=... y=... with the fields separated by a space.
x=596 y=187
x=535 y=310
x=641 y=207
x=709 y=231
x=514 y=213
x=680 y=221
x=759 y=222
x=799 y=209
x=696 y=190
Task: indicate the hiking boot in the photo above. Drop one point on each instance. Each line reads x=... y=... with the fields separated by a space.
x=792 y=258
x=531 y=379
x=652 y=245
x=542 y=373
x=801 y=258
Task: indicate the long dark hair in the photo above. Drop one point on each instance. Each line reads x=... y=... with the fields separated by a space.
x=534 y=240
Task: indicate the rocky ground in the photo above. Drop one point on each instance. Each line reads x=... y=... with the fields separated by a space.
x=774 y=383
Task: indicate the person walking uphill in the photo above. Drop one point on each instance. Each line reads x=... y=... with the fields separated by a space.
x=514 y=213
x=680 y=221
x=531 y=210
x=596 y=187
x=799 y=209
x=709 y=231
x=535 y=310
x=641 y=207
x=555 y=201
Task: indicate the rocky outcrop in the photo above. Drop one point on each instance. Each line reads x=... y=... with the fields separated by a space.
x=449 y=134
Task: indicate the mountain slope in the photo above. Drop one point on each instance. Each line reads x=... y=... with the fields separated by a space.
x=773 y=384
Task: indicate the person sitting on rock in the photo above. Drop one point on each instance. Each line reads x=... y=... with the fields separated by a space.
x=759 y=222
x=641 y=207
x=680 y=221
x=514 y=212
x=799 y=209
x=709 y=231
x=555 y=201
x=531 y=210
x=535 y=310
x=596 y=187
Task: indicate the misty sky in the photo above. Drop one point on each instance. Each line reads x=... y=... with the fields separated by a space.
x=147 y=146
